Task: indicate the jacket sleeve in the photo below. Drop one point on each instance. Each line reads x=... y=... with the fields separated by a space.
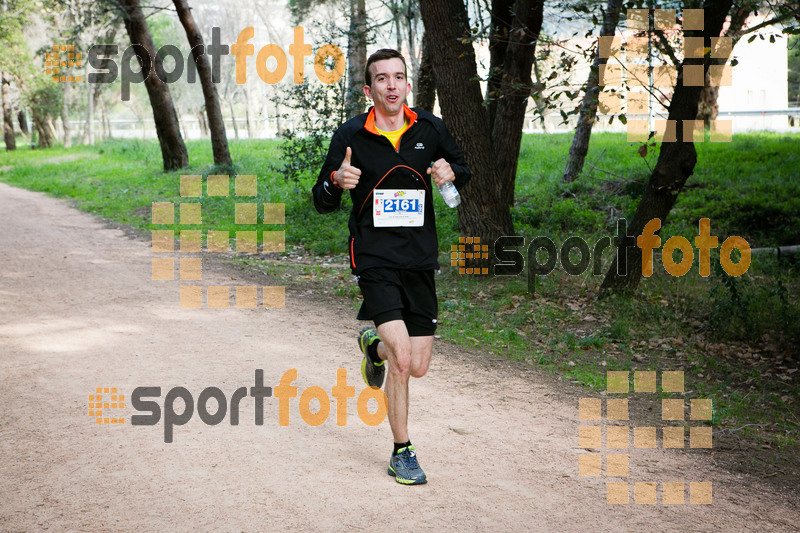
x=327 y=195
x=449 y=150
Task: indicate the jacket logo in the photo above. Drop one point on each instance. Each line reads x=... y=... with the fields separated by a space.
x=419 y=146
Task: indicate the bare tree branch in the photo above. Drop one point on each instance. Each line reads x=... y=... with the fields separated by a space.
x=665 y=47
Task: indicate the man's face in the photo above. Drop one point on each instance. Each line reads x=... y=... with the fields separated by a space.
x=389 y=85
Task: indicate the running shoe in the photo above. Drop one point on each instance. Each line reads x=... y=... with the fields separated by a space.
x=372 y=372
x=405 y=468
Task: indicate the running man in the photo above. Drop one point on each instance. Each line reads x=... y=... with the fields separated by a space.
x=387 y=159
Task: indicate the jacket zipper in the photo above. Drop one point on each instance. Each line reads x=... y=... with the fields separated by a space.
x=397 y=150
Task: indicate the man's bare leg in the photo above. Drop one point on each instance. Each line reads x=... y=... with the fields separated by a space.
x=407 y=356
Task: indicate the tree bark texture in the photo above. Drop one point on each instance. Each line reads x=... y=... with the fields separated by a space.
x=23 y=122
x=201 y=121
x=515 y=89
x=356 y=59
x=501 y=17
x=181 y=123
x=412 y=11
x=8 y=121
x=248 y=113
x=106 y=121
x=538 y=99
x=173 y=150
x=482 y=212
x=219 y=141
x=707 y=107
x=65 y=117
x=588 y=113
x=88 y=130
x=676 y=160
x=233 y=117
x=425 y=90
x=93 y=96
x=489 y=135
x=42 y=126
x=51 y=128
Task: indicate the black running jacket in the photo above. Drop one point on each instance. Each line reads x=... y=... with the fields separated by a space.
x=382 y=167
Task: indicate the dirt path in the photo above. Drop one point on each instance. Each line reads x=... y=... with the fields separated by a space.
x=78 y=310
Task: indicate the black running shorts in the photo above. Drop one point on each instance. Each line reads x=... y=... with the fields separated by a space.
x=407 y=295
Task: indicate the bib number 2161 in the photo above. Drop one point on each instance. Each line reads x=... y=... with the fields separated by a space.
x=395 y=208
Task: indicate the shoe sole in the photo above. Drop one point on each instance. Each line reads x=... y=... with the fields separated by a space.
x=366 y=358
x=406 y=481
x=361 y=344
x=364 y=370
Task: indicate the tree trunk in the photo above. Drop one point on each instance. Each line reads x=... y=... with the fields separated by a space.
x=398 y=31
x=537 y=97
x=23 y=122
x=483 y=212
x=173 y=150
x=88 y=130
x=426 y=81
x=201 y=122
x=501 y=18
x=588 y=112
x=515 y=89
x=219 y=141
x=676 y=160
x=412 y=39
x=248 y=114
x=94 y=99
x=181 y=123
x=233 y=118
x=708 y=107
x=8 y=122
x=106 y=122
x=356 y=59
x=42 y=125
x=52 y=130
x=65 y=117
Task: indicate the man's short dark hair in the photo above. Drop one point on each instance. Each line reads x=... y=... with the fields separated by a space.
x=380 y=55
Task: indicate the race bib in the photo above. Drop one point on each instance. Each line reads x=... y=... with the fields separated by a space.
x=393 y=208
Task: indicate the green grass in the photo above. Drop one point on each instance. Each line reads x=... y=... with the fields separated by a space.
x=749 y=187
x=736 y=338
x=120 y=179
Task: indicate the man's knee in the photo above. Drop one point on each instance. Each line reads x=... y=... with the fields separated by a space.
x=419 y=370
x=400 y=361
x=421 y=348
x=420 y=362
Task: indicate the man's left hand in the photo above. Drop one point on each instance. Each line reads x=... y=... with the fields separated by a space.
x=441 y=172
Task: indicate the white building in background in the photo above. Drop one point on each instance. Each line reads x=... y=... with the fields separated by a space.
x=758 y=93
x=759 y=82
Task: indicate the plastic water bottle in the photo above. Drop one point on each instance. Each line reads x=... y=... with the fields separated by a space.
x=450 y=194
